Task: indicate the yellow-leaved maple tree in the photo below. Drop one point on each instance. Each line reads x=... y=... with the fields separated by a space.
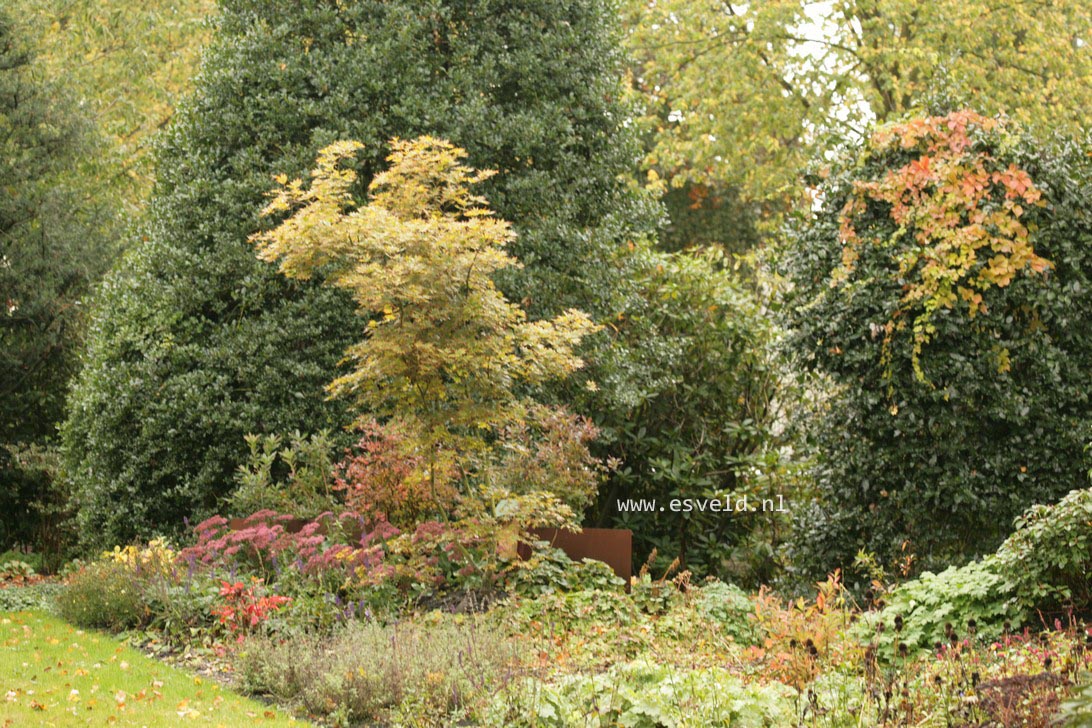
x=443 y=351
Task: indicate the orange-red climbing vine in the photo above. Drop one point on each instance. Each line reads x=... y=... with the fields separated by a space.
x=964 y=211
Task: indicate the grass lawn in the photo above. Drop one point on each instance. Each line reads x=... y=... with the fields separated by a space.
x=53 y=674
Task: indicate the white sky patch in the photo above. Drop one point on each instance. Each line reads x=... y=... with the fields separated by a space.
x=815 y=55
x=821 y=31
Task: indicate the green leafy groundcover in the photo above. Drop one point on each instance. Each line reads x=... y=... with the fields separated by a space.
x=54 y=674
x=641 y=693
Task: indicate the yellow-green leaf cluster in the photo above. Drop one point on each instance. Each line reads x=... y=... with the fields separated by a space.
x=128 y=61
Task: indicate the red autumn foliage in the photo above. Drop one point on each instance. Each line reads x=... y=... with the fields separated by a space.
x=384 y=480
x=243 y=610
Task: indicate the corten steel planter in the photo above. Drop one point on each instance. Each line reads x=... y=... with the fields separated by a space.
x=612 y=546
x=293 y=525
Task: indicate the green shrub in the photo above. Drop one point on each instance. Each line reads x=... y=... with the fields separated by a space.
x=731 y=608
x=55 y=241
x=33 y=560
x=46 y=512
x=314 y=613
x=643 y=695
x=576 y=610
x=179 y=607
x=289 y=475
x=975 y=600
x=654 y=596
x=40 y=596
x=959 y=396
x=1049 y=556
x=437 y=672
x=550 y=570
x=15 y=571
x=103 y=595
x=683 y=402
x=1077 y=712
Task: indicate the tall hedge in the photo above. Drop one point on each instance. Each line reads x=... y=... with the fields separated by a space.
x=196 y=343
x=944 y=289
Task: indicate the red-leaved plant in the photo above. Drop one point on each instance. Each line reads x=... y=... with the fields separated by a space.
x=384 y=481
x=243 y=611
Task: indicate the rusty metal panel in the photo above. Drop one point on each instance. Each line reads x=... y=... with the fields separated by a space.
x=612 y=546
x=290 y=525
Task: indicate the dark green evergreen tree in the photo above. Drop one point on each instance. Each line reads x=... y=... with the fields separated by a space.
x=52 y=248
x=935 y=461
x=196 y=343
